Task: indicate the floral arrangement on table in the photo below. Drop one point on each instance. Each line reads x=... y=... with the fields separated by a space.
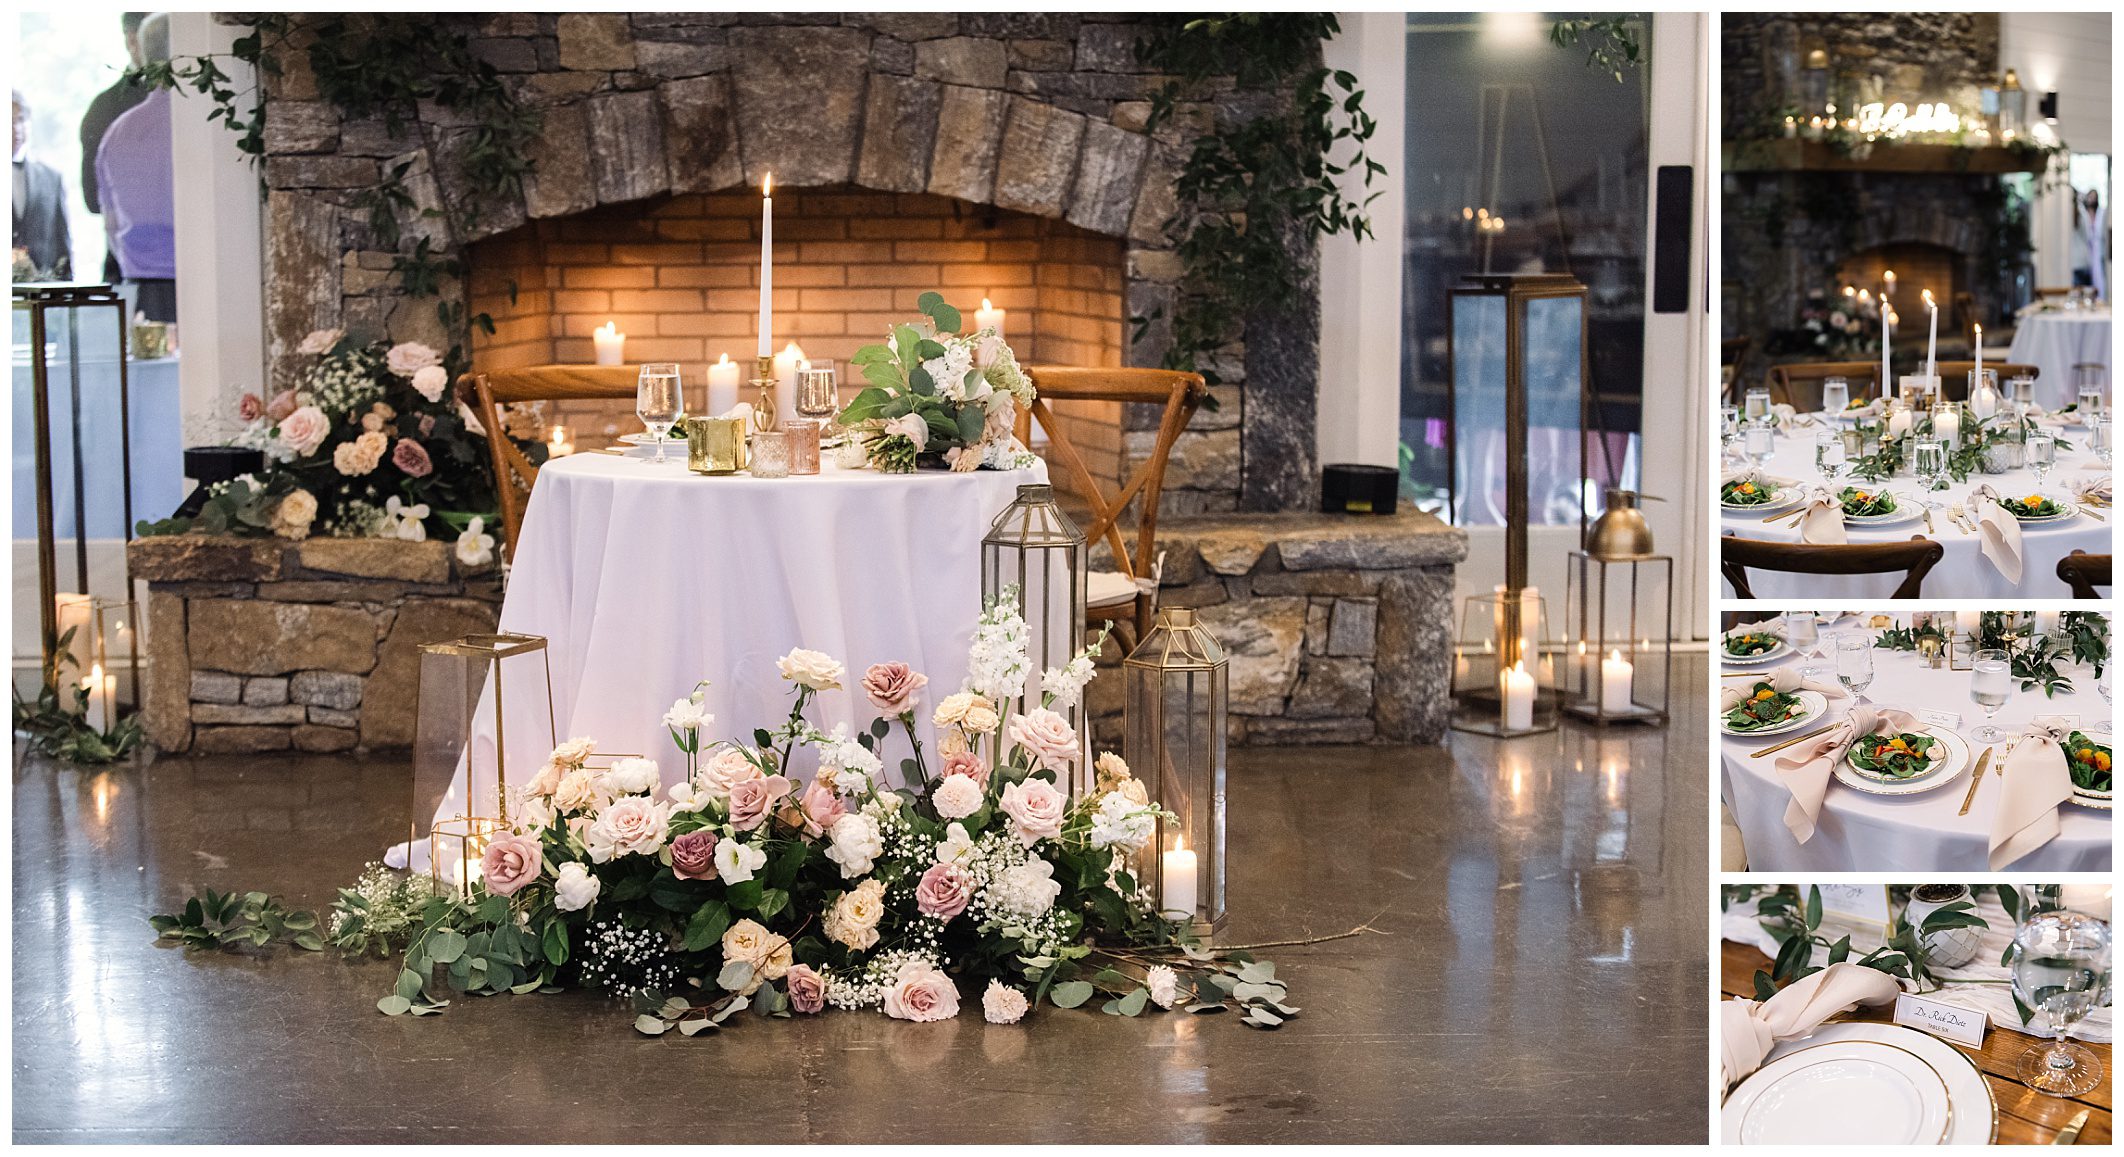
x=369 y=442
x=935 y=393
x=1833 y=329
x=743 y=887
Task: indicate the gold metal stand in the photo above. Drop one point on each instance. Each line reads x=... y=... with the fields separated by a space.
x=764 y=415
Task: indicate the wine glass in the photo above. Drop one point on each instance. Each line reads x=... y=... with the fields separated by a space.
x=1829 y=455
x=659 y=401
x=2023 y=395
x=1928 y=460
x=1854 y=662
x=1836 y=396
x=2060 y=966
x=2042 y=451
x=1800 y=631
x=1990 y=686
x=818 y=394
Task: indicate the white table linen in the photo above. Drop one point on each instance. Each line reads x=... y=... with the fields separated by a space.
x=2054 y=342
x=1964 y=573
x=647 y=578
x=1858 y=832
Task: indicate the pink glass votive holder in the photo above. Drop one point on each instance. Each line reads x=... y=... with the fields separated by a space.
x=770 y=454
x=804 y=446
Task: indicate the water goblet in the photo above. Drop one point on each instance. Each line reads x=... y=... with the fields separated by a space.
x=1760 y=440
x=1829 y=455
x=2059 y=962
x=1928 y=460
x=1836 y=396
x=2101 y=439
x=1758 y=403
x=1800 y=630
x=2042 y=451
x=818 y=394
x=2023 y=395
x=1854 y=662
x=659 y=401
x=1990 y=686
x=1729 y=425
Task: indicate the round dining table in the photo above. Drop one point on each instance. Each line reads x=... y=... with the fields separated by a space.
x=1925 y=832
x=2056 y=340
x=1964 y=573
x=645 y=579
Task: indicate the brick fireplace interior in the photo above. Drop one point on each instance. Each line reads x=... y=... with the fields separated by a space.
x=680 y=277
x=1918 y=266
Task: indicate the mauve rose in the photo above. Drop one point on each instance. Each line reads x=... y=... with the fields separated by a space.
x=922 y=994
x=693 y=856
x=510 y=862
x=944 y=891
x=250 y=408
x=968 y=764
x=893 y=688
x=821 y=808
x=282 y=405
x=412 y=458
x=807 y=989
x=752 y=800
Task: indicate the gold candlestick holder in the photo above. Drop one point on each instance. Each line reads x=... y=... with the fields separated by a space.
x=764 y=415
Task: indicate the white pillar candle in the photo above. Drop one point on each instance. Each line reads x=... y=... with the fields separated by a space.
x=2046 y=623
x=1615 y=675
x=1180 y=888
x=786 y=365
x=102 y=698
x=722 y=386
x=988 y=316
x=1887 y=339
x=1947 y=427
x=1516 y=690
x=1899 y=423
x=559 y=446
x=767 y=266
x=611 y=344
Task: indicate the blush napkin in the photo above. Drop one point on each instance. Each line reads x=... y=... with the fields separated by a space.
x=1806 y=768
x=2000 y=532
x=1823 y=524
x=1748 y=1030
x=2034 y=782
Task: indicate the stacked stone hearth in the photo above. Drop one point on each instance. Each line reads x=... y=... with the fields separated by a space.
x=261 y=645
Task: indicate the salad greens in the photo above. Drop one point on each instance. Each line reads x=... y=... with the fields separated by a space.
x=1751 y=644
x=2033 y=506
x=1899 y=756
x=1765 y=707
x=2088 y=761
x=1863 y=503
x=1746 y=492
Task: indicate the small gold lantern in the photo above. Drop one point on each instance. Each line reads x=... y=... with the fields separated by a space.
x=1035 y=547
x=460 y=681
x=1174 y=738
x=1619 y=628
x=1504 y=675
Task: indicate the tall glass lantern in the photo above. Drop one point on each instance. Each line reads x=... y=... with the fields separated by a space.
x=1173 y=739
x=505 y=678
x=1036 y=548
x=1619 y=661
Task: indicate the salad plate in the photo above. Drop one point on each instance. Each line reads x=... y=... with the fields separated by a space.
x=1864 y=506
x=2037 y=507
x=1877 y=774
x=1799 y=709
x=2088 y=759
x=1764 y=494
x=1861 y=1084
x=1750 y=648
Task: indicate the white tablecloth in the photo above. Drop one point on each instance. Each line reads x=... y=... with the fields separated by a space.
x=645 y=579
x=1858 y=832
x=1964 y=573
x=2055 y=342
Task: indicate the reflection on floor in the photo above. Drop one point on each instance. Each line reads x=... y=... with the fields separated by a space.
x=1541 y=978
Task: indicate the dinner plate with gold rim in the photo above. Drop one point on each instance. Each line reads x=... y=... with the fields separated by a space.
x=2089 y=797
x=1782 y=650
x=2066 y=511
x=1844 y=1092
x=1782 y=498
x=1942 y=773
x=1973 y=1114
x=1906 y=509
x=1813 y=705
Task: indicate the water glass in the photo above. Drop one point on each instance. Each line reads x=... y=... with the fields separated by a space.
x=1928 y=460
x=659 y=401
x=1829 y=455
x=1729 y=423
x=1990 y=686
x=1836 y=395
x=1758 y=404
x=2060 y=966
x=2042 y=451
x=2023 y=394
x=2091 y=399
x=1761 y=439
x=1854 y=662
x=1800 y=631
x=2100 y=439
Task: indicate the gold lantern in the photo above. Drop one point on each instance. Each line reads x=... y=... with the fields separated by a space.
x=1035 y=547
x=509 y=678
x=1620 y=635
x=1174 y=737
x=1504 y=675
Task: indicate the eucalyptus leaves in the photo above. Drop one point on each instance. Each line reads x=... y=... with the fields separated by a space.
x=934 y=392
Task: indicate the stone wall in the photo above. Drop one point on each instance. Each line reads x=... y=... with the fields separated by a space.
x=1043 y=114
x=1338 y=628
x=1910 y=56
x=265 y=645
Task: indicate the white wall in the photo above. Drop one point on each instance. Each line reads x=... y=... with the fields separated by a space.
x=2068 y=53
x=1360 y=283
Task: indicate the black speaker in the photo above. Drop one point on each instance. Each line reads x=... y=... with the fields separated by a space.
x=1673 y=231
x=209 y=465
x=1349 y=488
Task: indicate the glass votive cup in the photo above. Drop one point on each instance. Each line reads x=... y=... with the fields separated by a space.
x=770 y=454
x=804 y=446
x=715 y=445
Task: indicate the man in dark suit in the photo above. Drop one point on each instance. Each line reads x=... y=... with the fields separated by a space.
x=40 y=205
x=108 y=106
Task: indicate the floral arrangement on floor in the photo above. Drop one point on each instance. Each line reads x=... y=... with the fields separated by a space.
x=743 y=887
x=940 y=395
x=369 y=442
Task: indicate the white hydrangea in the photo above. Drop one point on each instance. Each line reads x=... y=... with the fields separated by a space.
x=857 y=843
x=1121 y=822
x=1026 y=890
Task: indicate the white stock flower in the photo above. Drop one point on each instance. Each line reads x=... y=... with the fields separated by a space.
x=575 y=888
x=1066 y=683
x=1002 y=1004
x=949 y=369
x=957 y=797
x=1026 y=890
x=857 y=843
x=687 y=715
x=849 y=764
x=813 y=669
x=1119 y=822
x=632 y=776
x=736 y=862
x=1164 y=986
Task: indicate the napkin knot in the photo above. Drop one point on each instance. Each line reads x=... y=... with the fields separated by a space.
x=1748 y=1030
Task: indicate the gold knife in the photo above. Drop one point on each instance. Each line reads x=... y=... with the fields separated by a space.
x=1776 y=747
x=2070 y=1134
x=1928 y=521
x=1982 y=761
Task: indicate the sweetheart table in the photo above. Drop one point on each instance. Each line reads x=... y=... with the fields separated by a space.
x=1964 y=573
x=1858 y=832
x=645 y=578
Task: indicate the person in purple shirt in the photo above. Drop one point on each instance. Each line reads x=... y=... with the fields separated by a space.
x=134 y=177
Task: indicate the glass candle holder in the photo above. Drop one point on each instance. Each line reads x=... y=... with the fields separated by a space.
x=818 y=390
x=770 y=454
x=804 y=445
x=715 y=445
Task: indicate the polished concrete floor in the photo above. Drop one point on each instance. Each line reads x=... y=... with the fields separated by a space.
x=1540 y=976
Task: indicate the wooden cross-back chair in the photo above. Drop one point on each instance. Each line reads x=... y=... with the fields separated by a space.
x=1115 y=596
x=2084 y=572
x=1915 y=559
x=514 y=472
x=1731 y=353
x=1799 y=384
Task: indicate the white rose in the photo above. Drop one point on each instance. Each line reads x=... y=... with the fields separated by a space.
x=574 y=751
x=431 y=381
x=749 y=942
x=736 y=862
x=726 y=769
x=812 y=669
x=303 y=431
x=1164 y=986
x=293 y=516
x=632 y=776
x=575 y=888
x=912 y=427
x=634 y=826
x=856 y=844
x=410 y=357
x=853 y=918
x=579 y=790
x=1002 y=1004
x=533 y=813
x=320 y=341
x=957 y=797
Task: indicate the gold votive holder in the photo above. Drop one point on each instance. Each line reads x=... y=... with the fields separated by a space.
x=715 y=445
x=804 y=445
x=770 y=454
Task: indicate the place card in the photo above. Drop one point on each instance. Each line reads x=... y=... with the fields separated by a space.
x=1961 y=1025
x=1857 y=908
x=1950 y=720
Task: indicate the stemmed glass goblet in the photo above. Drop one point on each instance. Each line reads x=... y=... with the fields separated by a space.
x=1990 y=686
x=1854 y=663
x=2060 y=967
x=2042 y=451
x=659 y=401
